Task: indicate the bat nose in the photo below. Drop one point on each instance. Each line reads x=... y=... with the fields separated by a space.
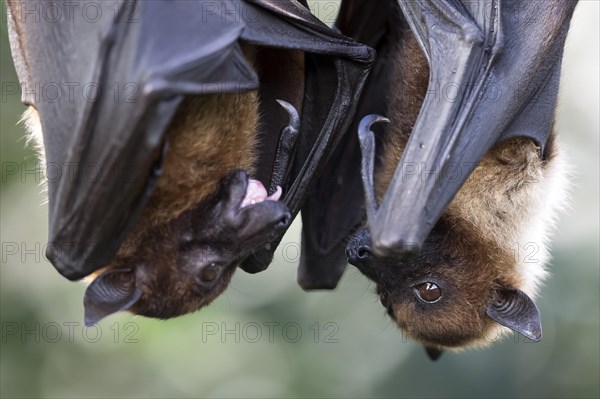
x=361 y=256
x=359 y=250
x=357 y=255
x=284 y=220
x=363 y=252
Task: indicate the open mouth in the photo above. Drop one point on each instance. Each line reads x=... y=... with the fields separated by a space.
x=256 y=193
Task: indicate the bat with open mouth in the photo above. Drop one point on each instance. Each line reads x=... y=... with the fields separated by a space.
x=462 y=186
x=172 y=116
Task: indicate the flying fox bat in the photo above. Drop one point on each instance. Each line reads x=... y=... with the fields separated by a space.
x=461 y=188
x=157 y=207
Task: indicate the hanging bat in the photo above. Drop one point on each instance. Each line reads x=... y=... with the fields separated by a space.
x=166 y=158
x=463 y=186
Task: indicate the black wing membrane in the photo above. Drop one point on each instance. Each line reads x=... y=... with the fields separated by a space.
x=335 y=71
x=128 y=72
x=494 y=69
x=335 y=206
x=502 y=58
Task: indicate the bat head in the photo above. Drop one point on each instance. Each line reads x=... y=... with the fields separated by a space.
x=483 y=260
x=184 y=265
x=451 y=295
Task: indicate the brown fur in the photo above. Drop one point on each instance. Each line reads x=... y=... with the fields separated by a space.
x=468 y=270
x=210 y=136
x=167 y=276
x=470 y=251
x=409 y=83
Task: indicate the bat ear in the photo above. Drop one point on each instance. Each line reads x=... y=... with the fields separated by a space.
x=433 y=352
x=111 y=292
x=515 y=310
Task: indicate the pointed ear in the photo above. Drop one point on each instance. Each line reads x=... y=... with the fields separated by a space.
x=111 y=292
x=433 y=352
x=515 y=310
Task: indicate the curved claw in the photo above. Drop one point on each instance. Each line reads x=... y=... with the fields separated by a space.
x=364 y=127
x=285 y=149
x=292 y=112
x=367 y=149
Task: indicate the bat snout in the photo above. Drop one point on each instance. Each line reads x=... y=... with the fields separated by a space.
x=360 y=252
x=283 y=220
x=264 y=219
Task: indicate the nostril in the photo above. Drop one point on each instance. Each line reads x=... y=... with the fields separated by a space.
x=349 y=253
x=363 y=252
x=284 y=220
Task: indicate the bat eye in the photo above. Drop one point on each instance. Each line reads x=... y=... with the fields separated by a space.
x=428 y=292
x=210 y=272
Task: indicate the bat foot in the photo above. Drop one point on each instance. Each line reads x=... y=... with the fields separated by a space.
x=294 y=123
x=285 y=149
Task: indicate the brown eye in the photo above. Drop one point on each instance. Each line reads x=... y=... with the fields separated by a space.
x=210 y=272
x=428 y=292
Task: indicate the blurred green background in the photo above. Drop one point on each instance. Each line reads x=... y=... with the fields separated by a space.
x=325 y=344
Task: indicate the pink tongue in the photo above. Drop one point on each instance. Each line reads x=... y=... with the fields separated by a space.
x=256 y=192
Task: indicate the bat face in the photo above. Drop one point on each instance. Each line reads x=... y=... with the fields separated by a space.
x=439 y=297
x=483 y=261
x=183 y=265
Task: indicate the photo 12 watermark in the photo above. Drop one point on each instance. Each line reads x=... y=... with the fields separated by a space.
x=68 y=331
x=270 y=332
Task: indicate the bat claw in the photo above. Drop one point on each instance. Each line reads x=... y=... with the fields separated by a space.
x=364 y=128
x=367 y=149
x=285 y=149
x=292 y=112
